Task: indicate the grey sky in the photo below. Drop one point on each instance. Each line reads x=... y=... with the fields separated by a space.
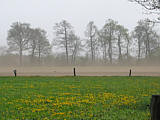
x=44 y=13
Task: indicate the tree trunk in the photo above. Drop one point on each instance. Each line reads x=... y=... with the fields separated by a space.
x=66 y=45
x=146 y=54
x=32 y=55
x=110 y=51
x=20 y=55
x=39 y=55
x=139 y=49
x=110 y=47
x=92 y=54
x=119 y=46
x=128 y=50
x=149 y=49
x=74 y=56
x=105 y=53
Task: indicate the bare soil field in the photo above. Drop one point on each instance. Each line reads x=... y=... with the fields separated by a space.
x=82 y=71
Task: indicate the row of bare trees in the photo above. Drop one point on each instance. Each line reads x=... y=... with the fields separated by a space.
x=113 y=43
x=67 y=40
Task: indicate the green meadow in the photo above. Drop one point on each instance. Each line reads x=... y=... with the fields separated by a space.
x=77 y=98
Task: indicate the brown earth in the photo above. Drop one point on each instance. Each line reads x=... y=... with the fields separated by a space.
x=82 y=71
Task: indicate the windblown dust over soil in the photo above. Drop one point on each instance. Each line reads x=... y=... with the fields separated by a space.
x=82 y=71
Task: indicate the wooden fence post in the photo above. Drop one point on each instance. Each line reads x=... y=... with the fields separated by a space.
x=74 y=71
x=15 y=73
x=130 y=73
x=155 y=107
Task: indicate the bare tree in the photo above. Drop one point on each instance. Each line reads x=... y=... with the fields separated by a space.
x=75 y=46
x=110 y=29
x=121 y=35
x=103 y=39
x=39 y=44
x=62 y=31
x=146 y=38
x=128 y=41
x=18 y=37
x=91 y=34
x=43 y=46
x=33 y=42
x=138 y=34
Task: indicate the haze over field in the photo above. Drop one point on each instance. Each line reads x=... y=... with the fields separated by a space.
x=79 y=59
x=44 y=13
x=77 y=33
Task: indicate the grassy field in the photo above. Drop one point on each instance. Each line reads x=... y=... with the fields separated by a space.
x=68 y=98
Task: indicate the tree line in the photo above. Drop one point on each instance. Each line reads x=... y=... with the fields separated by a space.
x=111 y=44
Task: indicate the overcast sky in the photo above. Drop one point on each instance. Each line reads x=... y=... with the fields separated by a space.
x=45 y=13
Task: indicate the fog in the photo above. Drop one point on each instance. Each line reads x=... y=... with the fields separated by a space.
x=44 y=14
x=100 y=38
